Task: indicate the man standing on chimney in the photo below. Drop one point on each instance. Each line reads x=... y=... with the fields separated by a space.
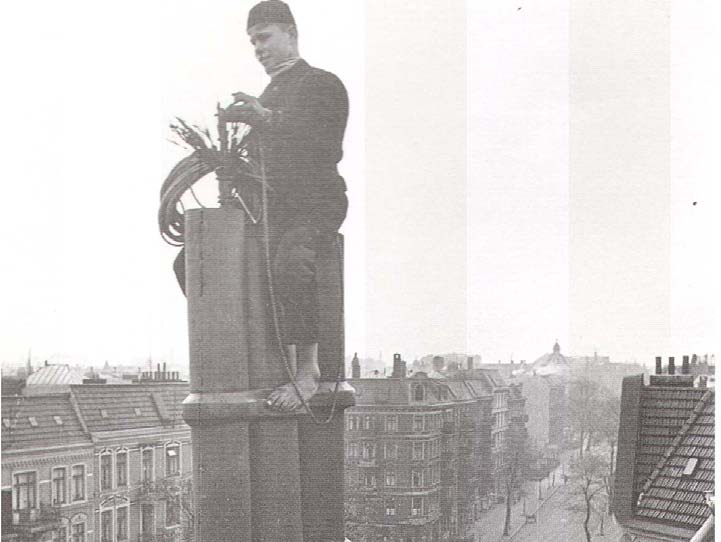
x=300 y=120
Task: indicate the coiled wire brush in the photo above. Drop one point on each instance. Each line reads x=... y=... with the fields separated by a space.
x=232 y=152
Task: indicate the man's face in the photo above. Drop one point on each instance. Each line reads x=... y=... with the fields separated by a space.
x=272 y=45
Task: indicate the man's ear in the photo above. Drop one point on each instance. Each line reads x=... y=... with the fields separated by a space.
x=293 y=31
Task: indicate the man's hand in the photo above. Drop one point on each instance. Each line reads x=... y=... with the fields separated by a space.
x=247 y=109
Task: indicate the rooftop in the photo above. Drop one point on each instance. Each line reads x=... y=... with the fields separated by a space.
x=665 y=466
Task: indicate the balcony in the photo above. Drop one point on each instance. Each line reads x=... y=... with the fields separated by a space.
x=31 y=522
x=147 y=490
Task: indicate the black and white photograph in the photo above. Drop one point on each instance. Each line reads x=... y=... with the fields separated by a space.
x=359 y=270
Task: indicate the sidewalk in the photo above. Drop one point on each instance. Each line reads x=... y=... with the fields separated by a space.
x=489 y=527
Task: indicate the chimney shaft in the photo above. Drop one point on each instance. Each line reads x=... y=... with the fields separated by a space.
x=685 y=367
x=469 y=363
x=397 y=372
x=659 y=365
x=671 y=366
x=355 y=367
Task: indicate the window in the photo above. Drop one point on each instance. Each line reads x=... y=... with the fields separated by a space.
x=390 y=478
x=58 y=420
x=106 y=471
x=60 y=483
x=103 y=413
x=353 y=449
x=416 y=478
x=419 y=393
x=369 y=450
x=106 y=526
x=353 y=423
x=172 y=511
x=172 y=460
x=390 y=507
x=147 y=514
x=121 y=469
x=369 y=479
x=6 y=423
x=390 y=451
x=418 y=450
x=367 y=422
x=418 y=423
x=148 y=465
x=60 y=534
x=25 y=488
x=121 y=524
x=391 y=423
x=137 y=411
x=33 y=421
x=78 y=531
x=78 y=488
x=416 y=506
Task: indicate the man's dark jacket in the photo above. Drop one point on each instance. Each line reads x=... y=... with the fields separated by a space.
x=303 y=140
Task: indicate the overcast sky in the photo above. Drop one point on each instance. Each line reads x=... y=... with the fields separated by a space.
x=473 y=202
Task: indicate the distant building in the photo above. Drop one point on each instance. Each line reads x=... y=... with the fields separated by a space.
x=664 y=478
x=424 y=455
x=96 y=463
x=546 y=383
x=546 y=410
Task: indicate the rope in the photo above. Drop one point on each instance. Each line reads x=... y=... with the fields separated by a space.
x=274 y=309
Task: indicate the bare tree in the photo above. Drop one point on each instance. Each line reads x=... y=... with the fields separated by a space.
x=178 y=493
x=516 y=459
x=588 y=484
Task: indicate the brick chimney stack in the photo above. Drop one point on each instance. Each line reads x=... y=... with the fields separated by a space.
x=671 y=366
x=659 y=365
x=469 y=363
x=685 y=367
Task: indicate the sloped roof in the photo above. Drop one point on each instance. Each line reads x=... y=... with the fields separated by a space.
x=54 y=422
x=394 y=391
x=106 y=407
x=55 y=375
x=663 y=413
x=669 y=494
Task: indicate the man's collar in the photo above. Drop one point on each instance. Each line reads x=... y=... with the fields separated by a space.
x=295 y=67
x=284 y=67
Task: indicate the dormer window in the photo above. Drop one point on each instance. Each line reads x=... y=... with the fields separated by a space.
x=419 y=393
x=690 y=466
x=103 y=413
x=33 y=421
x=137 y=411
x=58 y=420
x=6 y=423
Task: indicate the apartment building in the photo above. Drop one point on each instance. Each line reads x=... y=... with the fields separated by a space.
x=420 y=454
x=98 y=463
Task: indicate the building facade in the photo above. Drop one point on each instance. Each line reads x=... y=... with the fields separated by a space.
x=424 y=456
x=100 y=463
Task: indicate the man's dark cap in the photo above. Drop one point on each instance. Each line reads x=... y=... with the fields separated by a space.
x=270 y=12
